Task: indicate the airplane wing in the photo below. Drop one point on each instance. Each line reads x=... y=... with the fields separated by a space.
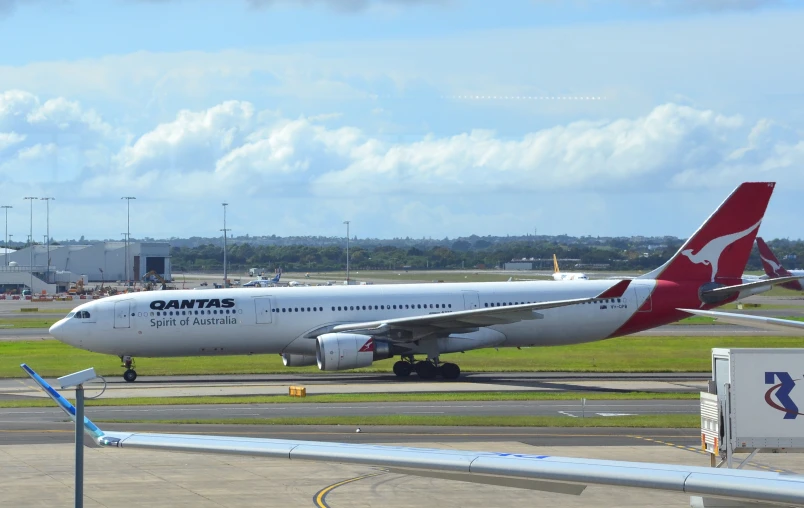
x=421 y=326
x=761 y=283
x=762 y=322
x=537 y=472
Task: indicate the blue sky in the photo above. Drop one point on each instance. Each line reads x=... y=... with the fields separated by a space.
x=408 y=117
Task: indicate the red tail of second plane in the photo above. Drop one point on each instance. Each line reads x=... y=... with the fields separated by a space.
x=773 y=268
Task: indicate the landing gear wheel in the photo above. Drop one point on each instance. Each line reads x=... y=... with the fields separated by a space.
x=426 y=370
x=450 y=371
x=130 y=375
x=402 y=368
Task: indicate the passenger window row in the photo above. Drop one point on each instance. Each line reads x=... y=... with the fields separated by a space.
x=163 y=313
x=503 y=304
x=343 y=308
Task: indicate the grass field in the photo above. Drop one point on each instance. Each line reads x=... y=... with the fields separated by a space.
x=27 y=323
x=625 y=354
x=340 y=398
x=637 y=421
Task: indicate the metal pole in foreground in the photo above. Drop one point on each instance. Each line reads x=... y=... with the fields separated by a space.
x=79 y=446
x=77 y=380
x=347 y=250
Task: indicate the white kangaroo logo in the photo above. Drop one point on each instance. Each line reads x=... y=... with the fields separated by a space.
x=710 y=253
x=774 y=266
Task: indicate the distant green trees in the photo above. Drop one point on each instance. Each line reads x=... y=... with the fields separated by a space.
x=619 y=254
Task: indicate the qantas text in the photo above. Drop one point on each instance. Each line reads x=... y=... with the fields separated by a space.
x=200 y=303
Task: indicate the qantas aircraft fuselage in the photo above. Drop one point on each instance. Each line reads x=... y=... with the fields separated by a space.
x=279 y=320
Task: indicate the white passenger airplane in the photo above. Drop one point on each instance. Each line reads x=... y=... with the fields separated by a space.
x=345 y=327
x=263 y=283
x=559 y=275
x=564 y=475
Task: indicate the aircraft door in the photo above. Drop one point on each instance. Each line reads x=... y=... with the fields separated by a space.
x=122 y=314
x=471 y=300
x=643 y=298
x=263 y=309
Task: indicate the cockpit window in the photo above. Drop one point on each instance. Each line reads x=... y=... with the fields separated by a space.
x=71 y=314
x=81 y=314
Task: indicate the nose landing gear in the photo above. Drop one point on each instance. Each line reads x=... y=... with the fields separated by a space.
x=130 y=374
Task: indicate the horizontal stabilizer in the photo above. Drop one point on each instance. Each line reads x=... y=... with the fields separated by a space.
x=761 y=322
x=738 y=288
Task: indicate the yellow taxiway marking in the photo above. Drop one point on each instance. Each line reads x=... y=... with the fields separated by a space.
x=320 y=498
x=701 y=452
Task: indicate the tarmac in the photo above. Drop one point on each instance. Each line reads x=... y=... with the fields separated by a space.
x=566 y=408
x=321 y=384
x=39 y=475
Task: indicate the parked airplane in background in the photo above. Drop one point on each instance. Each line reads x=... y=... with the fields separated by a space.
x=346 y=327
x=774 y=269
x=263 y=283
x=563 y=475
x=558 y=275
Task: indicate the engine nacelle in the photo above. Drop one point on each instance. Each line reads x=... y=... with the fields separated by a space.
x=290 y=360
x=342 y=351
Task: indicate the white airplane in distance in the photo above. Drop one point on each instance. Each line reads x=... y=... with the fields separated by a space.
x=707 y=486
x=559 y=275
x=346 y=327
x=263 y=283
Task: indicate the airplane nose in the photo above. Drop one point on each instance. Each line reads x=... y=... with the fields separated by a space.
x=54 y=330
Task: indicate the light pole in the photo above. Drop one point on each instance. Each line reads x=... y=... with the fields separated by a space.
x=47 y=240
x=347 y=250
x=225 y=272
x=31 y=243
x=6 y=207
x=128 y=232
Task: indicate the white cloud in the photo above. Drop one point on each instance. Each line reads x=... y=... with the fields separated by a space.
x=310 y=166
x=55 y=140
x=232 y=148
x=8 y=139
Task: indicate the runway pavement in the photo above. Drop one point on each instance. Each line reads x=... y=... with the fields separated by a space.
x=14 y=433
x=569 y=409
x=37 y=475
x=319 y=384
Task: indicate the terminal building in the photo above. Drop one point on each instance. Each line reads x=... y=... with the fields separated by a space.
x=30 y=268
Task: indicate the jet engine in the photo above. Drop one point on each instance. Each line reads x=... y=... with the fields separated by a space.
x=342 y=351
x=290 y=360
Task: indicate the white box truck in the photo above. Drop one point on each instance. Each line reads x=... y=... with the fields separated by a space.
x=761 y=391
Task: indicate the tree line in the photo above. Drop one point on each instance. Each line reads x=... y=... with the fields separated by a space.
x=616 y=254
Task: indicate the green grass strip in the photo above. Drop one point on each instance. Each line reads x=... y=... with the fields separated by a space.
x=365 y=397
x=26 y=322
x=642 y=421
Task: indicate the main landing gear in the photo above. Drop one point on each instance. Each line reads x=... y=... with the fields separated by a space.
x=130 y=374
x=426 y=369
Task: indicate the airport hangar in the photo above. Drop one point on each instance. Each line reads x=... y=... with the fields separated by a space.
x=96 y=262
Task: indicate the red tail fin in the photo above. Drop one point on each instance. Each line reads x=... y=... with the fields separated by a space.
x=719 y=250
x=773 y=268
